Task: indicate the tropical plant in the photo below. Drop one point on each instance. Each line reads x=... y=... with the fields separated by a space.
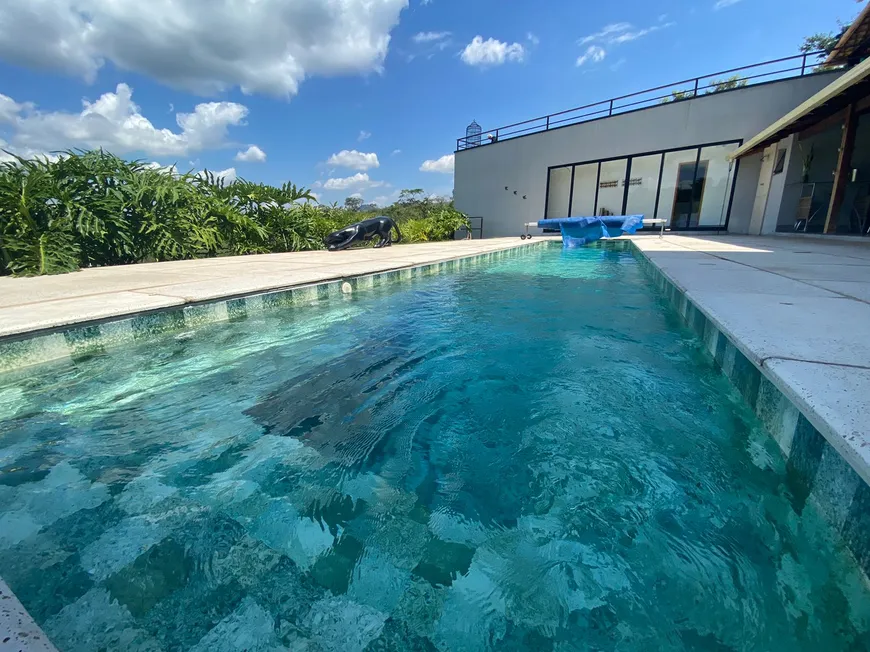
x=91 y=208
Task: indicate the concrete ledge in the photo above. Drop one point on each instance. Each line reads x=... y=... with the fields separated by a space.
x=18 y=631
x=119 y=305
x=29 y=305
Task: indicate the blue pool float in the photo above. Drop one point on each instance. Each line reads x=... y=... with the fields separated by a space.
x=579 y=231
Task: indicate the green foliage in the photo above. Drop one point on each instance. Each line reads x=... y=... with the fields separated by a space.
x=730 y=83
x=821 y=41
x=353 y=203
x=678 y=95
x=91 y=208
x=440 y=225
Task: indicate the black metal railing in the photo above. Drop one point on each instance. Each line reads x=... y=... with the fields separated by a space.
x=796 y=66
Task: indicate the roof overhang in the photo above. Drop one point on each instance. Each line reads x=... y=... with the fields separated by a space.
x=854 y=44
x=843 y=91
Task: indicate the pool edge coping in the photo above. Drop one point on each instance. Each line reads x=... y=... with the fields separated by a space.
x=18 y=631
x=819 y=459
x=78 y=335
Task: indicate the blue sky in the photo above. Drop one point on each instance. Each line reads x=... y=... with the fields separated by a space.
x=362 y=96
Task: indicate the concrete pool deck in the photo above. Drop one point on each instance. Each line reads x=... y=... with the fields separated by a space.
x=34 y=304
x=799 y=309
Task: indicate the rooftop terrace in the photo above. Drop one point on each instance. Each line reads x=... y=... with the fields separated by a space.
x=686 y=89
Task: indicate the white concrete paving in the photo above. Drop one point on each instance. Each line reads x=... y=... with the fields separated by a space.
x=799 y=308
x=44 y=302
x=18 y=631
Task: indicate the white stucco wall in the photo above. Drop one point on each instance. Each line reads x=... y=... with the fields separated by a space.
x=481 y=173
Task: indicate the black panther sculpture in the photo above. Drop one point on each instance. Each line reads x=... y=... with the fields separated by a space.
x=380 y=226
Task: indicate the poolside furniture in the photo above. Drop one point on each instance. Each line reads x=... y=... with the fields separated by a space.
x=579 y=231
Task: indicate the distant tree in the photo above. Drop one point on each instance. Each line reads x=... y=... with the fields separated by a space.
x=825 y=42
x=410 y=196
x=821 y=41
x=353 y=203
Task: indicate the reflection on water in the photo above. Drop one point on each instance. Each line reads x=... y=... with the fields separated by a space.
x=527 y=456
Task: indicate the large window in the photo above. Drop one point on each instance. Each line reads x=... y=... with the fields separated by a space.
x=583 y=195
x=643 y=184
x=611 y=187
x=559 y=192
x=690 y=188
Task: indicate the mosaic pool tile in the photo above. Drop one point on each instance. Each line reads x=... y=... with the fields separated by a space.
x=339 y=624
x=777 y=413
x=834 y=487
x=84 y=341
x=15 y=354
x=856 y=528
x=745 y=377
x=117 y=333
x=237 y=309
x=207 y=313
x=148 y=326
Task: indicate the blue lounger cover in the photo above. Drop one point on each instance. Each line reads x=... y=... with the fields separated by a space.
x=579 y=231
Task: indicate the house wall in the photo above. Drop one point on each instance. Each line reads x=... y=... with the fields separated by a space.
x=481 y=173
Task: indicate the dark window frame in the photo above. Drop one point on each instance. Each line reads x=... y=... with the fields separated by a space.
x=661 y=152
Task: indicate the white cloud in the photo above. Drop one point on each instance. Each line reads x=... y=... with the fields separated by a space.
x=617 y=33
x=444 y=165
x=251 y=155
x=593 y=53
x=359 y=180
x=491 y=52
x=115 y=123
x=531 y=38
x=10 y=109
x=386 y=200
x=396 y=152
x=206 y=47
x=228 y=175
x=428 y=37
x=606 y=32
x=154 y=165
x=721 y=4
x=354 y=160
x=364 y=135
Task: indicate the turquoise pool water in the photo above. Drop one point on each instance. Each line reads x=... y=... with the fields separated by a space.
x=529 y=455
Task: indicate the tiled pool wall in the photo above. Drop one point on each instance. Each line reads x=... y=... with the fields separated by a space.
x=815 y=470
x=17 y=352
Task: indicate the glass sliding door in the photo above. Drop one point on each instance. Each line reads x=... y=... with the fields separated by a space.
x=611 y=187
x=583 y=197
x=719 y=173
x=690 y=188
x=679 y=198
x=559 y=192
x=643 y=185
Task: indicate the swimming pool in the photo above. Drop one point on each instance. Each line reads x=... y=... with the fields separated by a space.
x=529 y=455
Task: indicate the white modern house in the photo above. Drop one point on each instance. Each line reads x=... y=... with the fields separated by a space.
x=749 y=150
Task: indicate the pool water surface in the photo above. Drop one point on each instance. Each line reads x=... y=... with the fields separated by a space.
x=533 y=454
